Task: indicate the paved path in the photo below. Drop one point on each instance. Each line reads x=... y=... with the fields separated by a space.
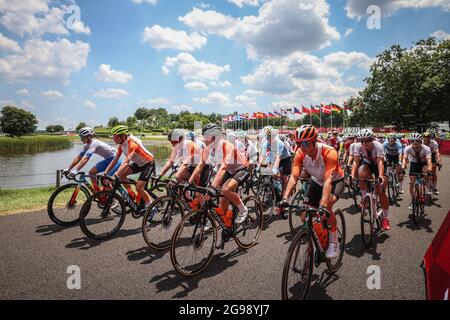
x=35 y=254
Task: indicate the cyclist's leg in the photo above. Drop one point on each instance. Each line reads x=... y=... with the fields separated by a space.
x=336 y=191
x=92 y=176
x=146 y=172
x=364 y=172
x=414 y=168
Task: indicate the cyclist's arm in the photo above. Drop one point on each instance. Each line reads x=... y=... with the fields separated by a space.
x=429 y=163
x=331 y=162
x=276 y=164
x=219 y=176
x=405 y=160
x=169 y=162
x=82 y=163
x=356 y=161
x=114 y=162
x=438 y=157
x=75 y=161
x=132 y=147
x=380 y=164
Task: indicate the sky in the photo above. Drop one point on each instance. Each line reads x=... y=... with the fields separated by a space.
x=69 y=61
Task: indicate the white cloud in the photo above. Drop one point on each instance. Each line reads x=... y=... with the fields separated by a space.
x=196 y=85
x=241 y=3
x=356 y=9
x=204 y=5
x=167 y=38
x=348 y=32
x=111 y=93
x=182 y=107
x=281 y=27
x=35 y=17
x=346 y=60
x=22 y=92
x=224 y=84
x=190 y=68
x=27 y=105
x=8 y=45
x=245 y=101
x=159 y=101
x=440 y=35
x=150 y=2
x=216 y=98
x=45 y=60
x=89 y=104
x=52 y=94
x=105 y=73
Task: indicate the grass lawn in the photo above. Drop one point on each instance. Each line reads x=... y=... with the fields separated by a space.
x=21 y=200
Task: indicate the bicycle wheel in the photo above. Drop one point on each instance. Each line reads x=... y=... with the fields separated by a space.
x=193 y=245
x=295 y=222
x=367 y=222
x=158 y=190
x=158 y=229
x=247 y=233
x=102 y=215
x=335 y=264
x=298 y=267
x=64 y=205
x=355 y=194
x=390 y=189
x=415 y=205
x=266 y=196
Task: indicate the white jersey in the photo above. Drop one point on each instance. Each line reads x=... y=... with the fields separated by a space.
x=420 y=156
x=182 y=153
x=369 y=156
x=352 y=148
x=251 y=152
x=433 y=146
x=98 y=147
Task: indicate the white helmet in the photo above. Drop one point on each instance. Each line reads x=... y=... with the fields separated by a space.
x=175 y=135
x=212 y=130
x=241 y=134
x=86 y=131
x=365 y=134
x=268 y=129
x=415 y=136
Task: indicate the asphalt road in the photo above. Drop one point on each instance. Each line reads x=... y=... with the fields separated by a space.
x=35 y=255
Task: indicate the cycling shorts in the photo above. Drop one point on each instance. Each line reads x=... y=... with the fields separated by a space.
x=393 y=159
x=240 y=177
x=146 y=170
x=416 y=167
x=286 y=166
x=314 y=193
x=102 y=165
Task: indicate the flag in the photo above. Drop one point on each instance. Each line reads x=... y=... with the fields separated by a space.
x=277 y=114
x=237 y=117
x=285 y=111
x=258 y=115
x=315 y=109
x=296 y=111
x=346 y=107
x=306 y=110
x=326 y=109
x=335 y=107
x=230 y=118
x=264 y=115
x=251 y=116
x=270 y=115
x=244 y=116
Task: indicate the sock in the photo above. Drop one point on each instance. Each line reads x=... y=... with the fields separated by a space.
x=333 y=237
x=363 y=193
x=242 y=208
x=386 y=214
x=147 y=204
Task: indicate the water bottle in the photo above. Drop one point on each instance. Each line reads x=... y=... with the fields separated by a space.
x=277 y=186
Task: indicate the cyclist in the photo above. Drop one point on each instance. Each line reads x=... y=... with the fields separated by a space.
x=420 y=157
x=347 y=144
x=369 y=157
x=333 y=140
x=137 y=160
x=327 y=178
x=92 y=146
x=184 y=151
x=393 y=149
x=233 y=170
x=428 y=140
x=248 y=149
x=191 y=136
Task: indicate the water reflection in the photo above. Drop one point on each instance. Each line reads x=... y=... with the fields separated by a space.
x=40 y=169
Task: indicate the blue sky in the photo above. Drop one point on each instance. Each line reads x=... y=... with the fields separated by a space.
x=210 y=56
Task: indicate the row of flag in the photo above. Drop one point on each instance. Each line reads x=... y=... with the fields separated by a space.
x=326 y=109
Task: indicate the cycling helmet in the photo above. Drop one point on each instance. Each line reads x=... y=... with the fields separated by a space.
x=427 y=135
x=282 y=137
x=212 y=130
x=120 y=129
x=175 y=135
x=241 y=134
x=351 y=135
x=305 y=132
x=190 y=135
x=86 y=131
x=415 y=136
x=268 y=130
x=390 y=136
x=366 y=134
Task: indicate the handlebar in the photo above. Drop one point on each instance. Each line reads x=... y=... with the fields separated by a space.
x=74 y=178
x=211 y=191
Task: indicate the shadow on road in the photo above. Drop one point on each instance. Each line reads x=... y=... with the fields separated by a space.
x=50 y=229
x=352 y=210
x=145 y=252
x=356 y=248
x=171 y=280
x=318 y=289
x=422 y=223
x=88 y=243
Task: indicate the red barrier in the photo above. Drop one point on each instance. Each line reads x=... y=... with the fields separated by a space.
x=444 y=147
x=437 y=264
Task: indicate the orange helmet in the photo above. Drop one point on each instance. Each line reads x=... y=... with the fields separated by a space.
x=305 y=132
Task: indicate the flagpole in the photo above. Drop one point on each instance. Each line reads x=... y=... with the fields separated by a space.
x=320 y=118
x=331 y=116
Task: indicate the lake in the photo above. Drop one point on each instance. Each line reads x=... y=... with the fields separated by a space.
x=39 y=169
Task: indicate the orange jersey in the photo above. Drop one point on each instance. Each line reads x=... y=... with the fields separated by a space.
x=135 y=151
x=325 y=165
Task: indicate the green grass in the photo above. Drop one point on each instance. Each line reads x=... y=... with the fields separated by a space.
x=22 y=200
x=32 y=144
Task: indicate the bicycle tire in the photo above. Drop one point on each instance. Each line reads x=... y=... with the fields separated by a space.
x=164 y=225
x=303 y=237
x=85 y=210
x=334 y=267
x=176 y=241
x=52 y=212
x=293 y=226
x=254 y=220
x=367 y=219
x=266 y=196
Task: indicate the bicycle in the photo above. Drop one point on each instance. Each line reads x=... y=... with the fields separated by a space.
x=295 y=222
x=106 y=210
x=269 y=194
x=197 y=232
x=393 y=183
x=313 y=242
x=64 y=201
x=421 y=195
x=370 y=212
x=251 y=184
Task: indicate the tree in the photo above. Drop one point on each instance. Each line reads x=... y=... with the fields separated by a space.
x=80 y=125
x=17 y=122
x=187 y=120
x=112 y=122
x=54 y=128
x=131 y=122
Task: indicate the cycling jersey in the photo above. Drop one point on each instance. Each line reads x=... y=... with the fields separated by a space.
x=273 y=150
x=223 y=152
x=325 y=164
x=251 y=152
x=392 y=149
x=352 y=148
x=419 y=156
x=98 y=147
x=183 y=152
x=369 y=157
x=434 y=146
x=135 y=151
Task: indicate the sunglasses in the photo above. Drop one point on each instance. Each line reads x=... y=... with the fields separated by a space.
x=303 y=144
x=366 y=141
